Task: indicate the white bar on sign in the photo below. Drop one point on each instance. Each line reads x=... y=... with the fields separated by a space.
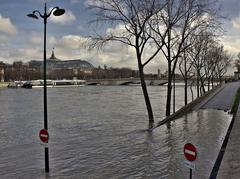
x=44 y=135
x=190 y=152
x=189 y=164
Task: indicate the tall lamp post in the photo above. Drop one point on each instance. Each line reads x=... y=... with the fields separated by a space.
x=174 y=91
x=56 y=12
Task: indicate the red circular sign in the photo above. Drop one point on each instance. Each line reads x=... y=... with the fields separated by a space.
x=43 y=134
x=190 y=152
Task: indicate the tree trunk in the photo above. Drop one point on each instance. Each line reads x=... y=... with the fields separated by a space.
x=192 y=89
x=143 y=83
x=220 y=80
x=208 y=83
x=169 y=93
x=212 y=81
x=146 y=96
x=202 y=86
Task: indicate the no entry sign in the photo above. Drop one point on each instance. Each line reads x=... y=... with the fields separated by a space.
x=190 y=152
x=44 y=136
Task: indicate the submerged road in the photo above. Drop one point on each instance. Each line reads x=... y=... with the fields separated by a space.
x=231 y=160
x=223 y=98
x=228 y=163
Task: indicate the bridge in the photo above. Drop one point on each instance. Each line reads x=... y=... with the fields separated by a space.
x=127 y=81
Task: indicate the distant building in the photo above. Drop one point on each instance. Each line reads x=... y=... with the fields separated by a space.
x=236 y=75
x=35 y=64
x=54 y=63
x=159 y=73
x=59 y=69
x=2 y=71
x=62 y=69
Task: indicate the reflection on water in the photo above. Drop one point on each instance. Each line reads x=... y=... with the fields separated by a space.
x=100 y=132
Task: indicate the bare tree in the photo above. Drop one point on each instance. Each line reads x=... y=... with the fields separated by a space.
x=133 y=16
x=237 y=62
x=179 y=19
x=223 y=64
x=210 y=61
x=185 y=65
x=199 y=56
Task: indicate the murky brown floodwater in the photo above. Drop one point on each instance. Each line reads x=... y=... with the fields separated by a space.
x=100 y=132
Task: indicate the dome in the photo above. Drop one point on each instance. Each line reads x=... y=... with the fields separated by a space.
x=55 y=63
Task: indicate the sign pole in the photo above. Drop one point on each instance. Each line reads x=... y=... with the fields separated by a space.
x=44 y=137
x=190 y=153
x=45 y=89
x=190 y=173
x=46 y=160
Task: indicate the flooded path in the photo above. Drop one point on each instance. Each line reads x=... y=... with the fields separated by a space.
x=100 y=132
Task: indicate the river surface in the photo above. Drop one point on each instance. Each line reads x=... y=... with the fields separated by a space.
x=100 y=132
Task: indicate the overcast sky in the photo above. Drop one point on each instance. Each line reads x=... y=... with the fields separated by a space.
x=21 y=38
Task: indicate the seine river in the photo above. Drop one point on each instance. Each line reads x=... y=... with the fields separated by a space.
x=100 y=132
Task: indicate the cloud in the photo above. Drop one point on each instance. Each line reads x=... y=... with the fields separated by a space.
x=113 y=54
x=72 y=41
x=231 y=43
x=35 y=39
x=89 y=2
x=75 y=1
x=236 y=23
x=25 y=54
x=69 y=47
x=6 y=26
x=3 y=40
x=65 y=19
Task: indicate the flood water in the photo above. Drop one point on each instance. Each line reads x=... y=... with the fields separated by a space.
x=100 y=132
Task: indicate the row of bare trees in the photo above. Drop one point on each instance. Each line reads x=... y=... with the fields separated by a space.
x=205 y=62
x=184 y=31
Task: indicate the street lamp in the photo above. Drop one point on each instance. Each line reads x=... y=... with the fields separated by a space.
x=174 y=87
x=174 y=91
x=56 y=12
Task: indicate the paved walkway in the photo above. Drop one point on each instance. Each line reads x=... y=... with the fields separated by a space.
x=230 y=166
x=222 y=99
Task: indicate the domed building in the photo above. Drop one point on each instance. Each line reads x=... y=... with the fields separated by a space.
x=54 y=63
x=63 y=69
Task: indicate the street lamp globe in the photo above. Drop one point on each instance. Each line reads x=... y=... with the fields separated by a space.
x=58 y=12
x=32 y=15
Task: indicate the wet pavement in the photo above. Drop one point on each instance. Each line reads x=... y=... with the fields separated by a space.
x=222 y=99
x=230 y=166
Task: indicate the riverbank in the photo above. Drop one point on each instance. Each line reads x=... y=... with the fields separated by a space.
x=194 y=105
x=227 y=162
x=3 y=84
x=229 y=165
